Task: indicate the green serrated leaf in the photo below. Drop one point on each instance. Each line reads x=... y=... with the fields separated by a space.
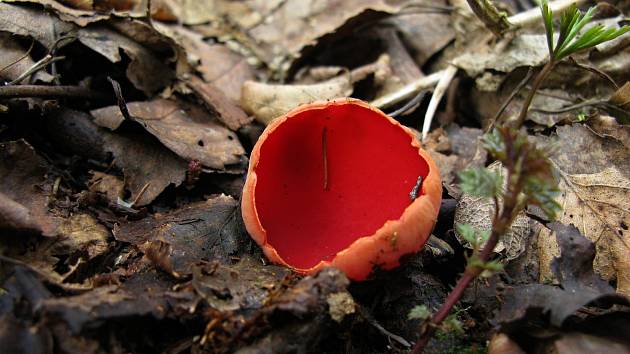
x=420 y=312
x=480 y=182
x=452 y=325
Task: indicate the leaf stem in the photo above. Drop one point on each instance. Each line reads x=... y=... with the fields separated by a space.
x=535 y=85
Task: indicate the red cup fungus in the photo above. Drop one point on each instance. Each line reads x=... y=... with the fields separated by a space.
x=339 y=183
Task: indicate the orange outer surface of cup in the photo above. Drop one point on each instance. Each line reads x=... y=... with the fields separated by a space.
x=357 y=261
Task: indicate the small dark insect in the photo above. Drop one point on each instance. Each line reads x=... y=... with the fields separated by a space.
x=416 y=189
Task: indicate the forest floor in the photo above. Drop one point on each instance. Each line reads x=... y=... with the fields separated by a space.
x=125 y=133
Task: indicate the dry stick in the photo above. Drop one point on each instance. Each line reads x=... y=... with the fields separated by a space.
x=440 y=89
x=537 y=81
x=414 y=101
x=325 y=157
x=517 y=89
x=48 y=91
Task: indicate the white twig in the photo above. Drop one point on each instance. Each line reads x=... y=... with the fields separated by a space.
x=533 y=15
x=408 y=91
x=440 y=89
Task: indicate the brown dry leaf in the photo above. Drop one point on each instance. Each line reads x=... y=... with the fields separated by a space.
x=218 y=65
x=32 y=22
x=145 y=71
x=597 y=204
x=294 y=25
x=25 y=189
x=67 y=14
x=188 y=131
x=182 y=237
x=110 y=186
x=268 y=101
x=148 y=166
x=245 y=285
x=478 y=212
x=606 y=126
x=227 y=111
x=594 y=177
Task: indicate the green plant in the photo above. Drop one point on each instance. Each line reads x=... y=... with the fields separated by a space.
x=569 y=41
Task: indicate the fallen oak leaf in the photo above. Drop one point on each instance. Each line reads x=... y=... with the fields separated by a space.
x=598 y=204
x=188 y=131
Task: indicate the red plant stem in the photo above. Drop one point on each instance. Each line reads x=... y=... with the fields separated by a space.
x=537 y=81
x=455 y=295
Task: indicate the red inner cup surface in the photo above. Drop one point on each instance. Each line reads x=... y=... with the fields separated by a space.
x=372 y=168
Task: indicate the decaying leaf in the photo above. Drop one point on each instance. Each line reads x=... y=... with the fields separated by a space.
x=110 y=186
x=25 y=190
x=595 y=199
x=478 y=212
x=198 y=231
x=188 y=131
x=16 y=60
x=145 y=71
x=147 y=165
x=245 y=285
x=32 y=22
x=227 y=111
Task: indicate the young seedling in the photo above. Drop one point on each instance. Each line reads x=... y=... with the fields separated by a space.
x=529 y=173
x=568 y=42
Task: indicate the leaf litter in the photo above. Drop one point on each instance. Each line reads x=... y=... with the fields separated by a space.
x=117 y=227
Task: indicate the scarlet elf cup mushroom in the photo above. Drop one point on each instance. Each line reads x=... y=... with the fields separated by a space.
x=339 y=183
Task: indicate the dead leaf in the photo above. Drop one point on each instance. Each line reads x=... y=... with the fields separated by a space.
x=225 y=69
x=269 y=101
x=32 y=22
x=198 y=231
x=23 y=181
x=593 y=178
x=145 y=71
x=110 y=186
x=580 y=285
x=478 y=212
x=188 y=131
x=16 y=60
x=227 y=111
x=245 y=285
x=147 y=165
x=524 y=50
x=606 y=126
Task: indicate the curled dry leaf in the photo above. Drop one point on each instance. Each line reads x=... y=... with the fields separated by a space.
x=594 y=178
x=478 y=212
x=268 y=101
x=78 y=16
x=227 y=111
x=25 y=190
x=32 y=22
x=188 y=131
x=145 y=71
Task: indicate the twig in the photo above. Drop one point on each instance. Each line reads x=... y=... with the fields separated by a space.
x=408 y=91
x=517 y=89
x=494 y=20
x=535 y=85
x=533 y=15
x=594 y=70
x=414 y=101
x=440 y=89
x=402 y=341
x=36 y=67
x=570 y=108
x=48 y=91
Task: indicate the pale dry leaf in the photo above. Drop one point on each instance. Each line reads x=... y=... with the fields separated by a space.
x=478 y=212
x=32 y=22
x=598 y=204
x=268 y=101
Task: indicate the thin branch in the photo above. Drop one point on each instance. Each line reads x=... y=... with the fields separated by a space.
x=408 y=91
x=533 y=15
x=407 y=107
x=517 y=89
x=440 y=89
x=17 y=91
